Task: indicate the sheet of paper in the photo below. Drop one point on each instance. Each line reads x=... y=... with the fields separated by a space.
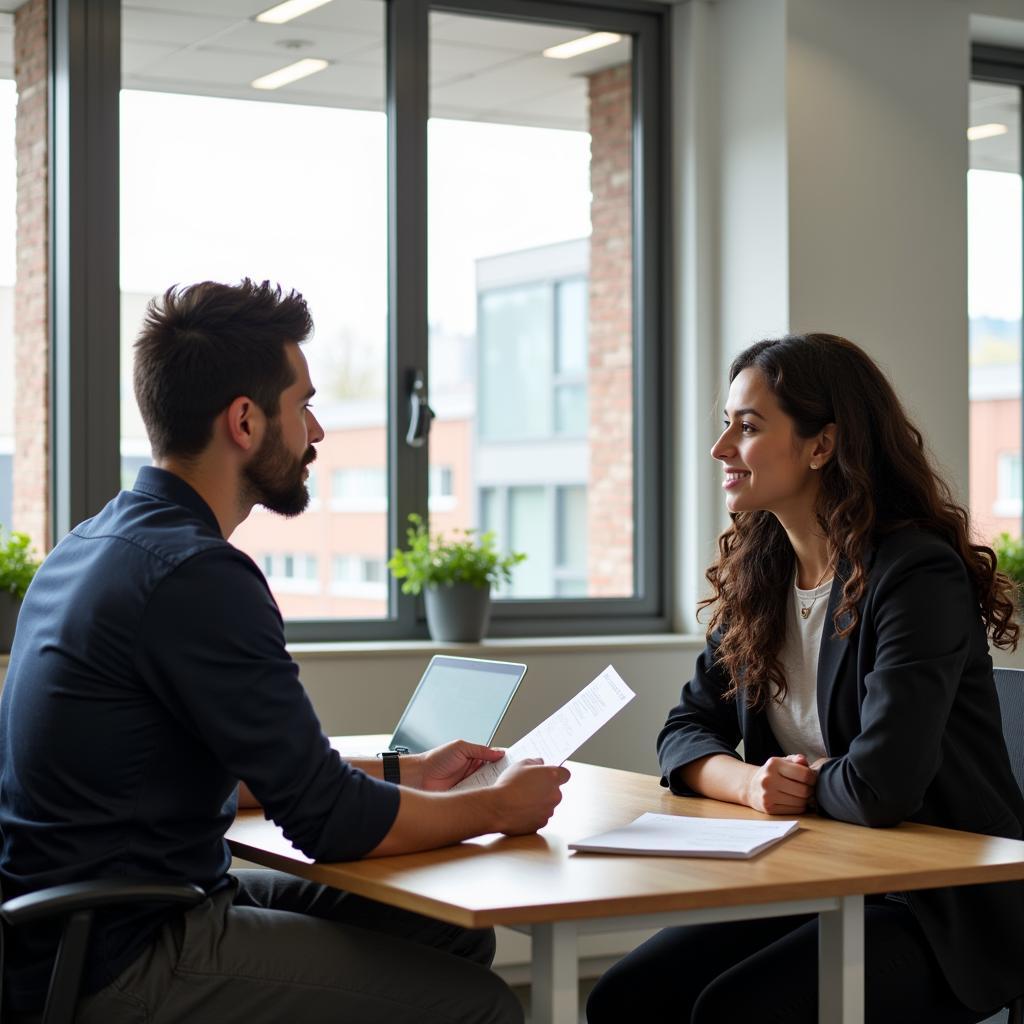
x=680 y=836
x=560 y=736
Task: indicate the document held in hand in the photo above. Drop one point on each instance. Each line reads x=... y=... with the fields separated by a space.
x=560 y=736
x=673 y=835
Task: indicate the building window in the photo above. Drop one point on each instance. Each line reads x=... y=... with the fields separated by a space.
x=1010 y=486
x=550 y=522
x=533 y=361
x=291 y=572
x=535 y=322
x=358 y=576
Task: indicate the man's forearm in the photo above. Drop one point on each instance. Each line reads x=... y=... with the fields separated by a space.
x=429 y=820
x=410 y=767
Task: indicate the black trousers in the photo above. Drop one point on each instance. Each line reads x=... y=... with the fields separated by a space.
x=767 y=971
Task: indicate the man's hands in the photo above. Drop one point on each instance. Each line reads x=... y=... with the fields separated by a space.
x=526 y=795
x=521 y=801
x=439 y=769
x=782 y=785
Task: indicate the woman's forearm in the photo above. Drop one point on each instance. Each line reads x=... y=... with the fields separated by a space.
x=720 y=777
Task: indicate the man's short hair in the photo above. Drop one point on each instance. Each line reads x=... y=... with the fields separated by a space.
x=203 y=345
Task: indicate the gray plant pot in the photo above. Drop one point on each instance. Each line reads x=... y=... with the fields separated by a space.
x=9 y=608
x=457 y=614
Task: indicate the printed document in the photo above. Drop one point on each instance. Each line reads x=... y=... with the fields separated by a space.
x=673 y=835
x=560 y=736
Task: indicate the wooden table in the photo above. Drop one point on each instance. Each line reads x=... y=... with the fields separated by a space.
x=535 y=885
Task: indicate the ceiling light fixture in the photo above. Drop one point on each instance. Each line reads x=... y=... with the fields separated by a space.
x=280 y=13
x=289 y=74
x=986 y=131
x=584 y=44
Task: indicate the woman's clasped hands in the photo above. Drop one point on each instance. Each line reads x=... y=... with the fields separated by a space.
x=783 y=785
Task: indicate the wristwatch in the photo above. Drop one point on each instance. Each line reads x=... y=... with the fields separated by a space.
x=392 y=772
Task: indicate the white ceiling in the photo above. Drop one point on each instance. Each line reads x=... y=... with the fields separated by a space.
x=480 y=68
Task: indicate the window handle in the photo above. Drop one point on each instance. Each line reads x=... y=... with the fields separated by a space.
x=420 y=414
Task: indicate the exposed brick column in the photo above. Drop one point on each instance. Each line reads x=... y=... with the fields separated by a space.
x=31 y=293
x=610 y=487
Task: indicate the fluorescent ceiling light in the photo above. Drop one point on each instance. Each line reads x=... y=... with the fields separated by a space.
x=280 y=13
x=291 y=73
x=986 y=131
x=584 y=44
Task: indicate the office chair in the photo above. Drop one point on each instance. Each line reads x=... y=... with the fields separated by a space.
x=75 y=904
x=1010 y=687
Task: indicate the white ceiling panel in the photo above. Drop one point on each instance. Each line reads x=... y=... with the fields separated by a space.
x=527 y=79
x=172 y=27
x=566 y=109
x=597 y=60
x=340 y=15
x=208 y=65
x=251 y=37
x=340 y=85
x=501 y=33
x=451 y=63
x=234 y=9
x=137 y=58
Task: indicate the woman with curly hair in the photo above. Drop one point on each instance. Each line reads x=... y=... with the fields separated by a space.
x=848 y=649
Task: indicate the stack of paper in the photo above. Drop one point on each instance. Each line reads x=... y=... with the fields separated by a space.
x=671 y=835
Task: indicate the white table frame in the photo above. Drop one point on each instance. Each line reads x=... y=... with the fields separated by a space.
x=555 y=953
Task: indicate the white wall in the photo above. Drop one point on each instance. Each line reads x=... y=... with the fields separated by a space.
x=877 y=104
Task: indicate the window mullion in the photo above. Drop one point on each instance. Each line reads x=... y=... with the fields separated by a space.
x=408 y=109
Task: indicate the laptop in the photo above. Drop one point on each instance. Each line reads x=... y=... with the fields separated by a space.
x=456 y=699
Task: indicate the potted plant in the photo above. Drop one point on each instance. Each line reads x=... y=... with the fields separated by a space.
x=455 y=577
x=1010 y=559
x=17 y=567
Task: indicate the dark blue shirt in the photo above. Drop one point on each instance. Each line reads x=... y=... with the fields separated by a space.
x=148 y=676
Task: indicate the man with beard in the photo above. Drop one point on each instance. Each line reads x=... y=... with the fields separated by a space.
x=149 y=677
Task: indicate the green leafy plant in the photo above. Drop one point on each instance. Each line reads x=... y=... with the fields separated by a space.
x=17 y=563
x=1010 y=556
x=468 y=557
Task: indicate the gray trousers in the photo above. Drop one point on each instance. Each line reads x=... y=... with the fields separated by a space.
x=279 y=950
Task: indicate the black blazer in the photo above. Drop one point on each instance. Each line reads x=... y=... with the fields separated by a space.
x=908 y=709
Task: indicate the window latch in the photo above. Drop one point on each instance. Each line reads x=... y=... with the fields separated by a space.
x=420 y=414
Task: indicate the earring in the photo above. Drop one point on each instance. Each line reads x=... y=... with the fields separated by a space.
x=814 y=465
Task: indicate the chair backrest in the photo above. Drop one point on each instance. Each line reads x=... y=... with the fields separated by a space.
x=1010 y=687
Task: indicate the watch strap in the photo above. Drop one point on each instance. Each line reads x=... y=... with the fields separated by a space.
x=392 y=771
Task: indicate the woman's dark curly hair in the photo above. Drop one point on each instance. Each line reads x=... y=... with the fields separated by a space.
x=879 y=480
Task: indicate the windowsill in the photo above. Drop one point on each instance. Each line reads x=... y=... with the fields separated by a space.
x=488 y=648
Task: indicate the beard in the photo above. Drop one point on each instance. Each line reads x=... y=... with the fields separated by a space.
x=273 y=477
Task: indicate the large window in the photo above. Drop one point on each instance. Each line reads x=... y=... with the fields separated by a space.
x=8 y=364
x=23 y=380
x=994 y=295
x=474 y=217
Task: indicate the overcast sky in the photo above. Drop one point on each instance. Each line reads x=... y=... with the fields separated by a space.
x=220 y=188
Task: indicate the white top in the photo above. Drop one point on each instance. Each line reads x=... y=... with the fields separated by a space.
x=795 y=721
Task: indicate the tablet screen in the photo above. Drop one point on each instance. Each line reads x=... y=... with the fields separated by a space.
x=457 y=699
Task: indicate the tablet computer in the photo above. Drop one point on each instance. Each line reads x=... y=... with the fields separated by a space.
x=457 y=699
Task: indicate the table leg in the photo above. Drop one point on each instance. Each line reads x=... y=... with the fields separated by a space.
x=841 y=963
x=554 y=992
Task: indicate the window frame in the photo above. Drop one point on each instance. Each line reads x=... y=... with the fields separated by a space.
x=85 y=85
